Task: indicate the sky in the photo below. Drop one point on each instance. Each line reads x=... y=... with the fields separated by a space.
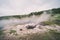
x=21 y=7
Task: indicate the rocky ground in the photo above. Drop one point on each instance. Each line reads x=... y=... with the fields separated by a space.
x=29 y=28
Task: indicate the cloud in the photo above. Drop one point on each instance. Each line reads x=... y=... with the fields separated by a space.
x=20 y=7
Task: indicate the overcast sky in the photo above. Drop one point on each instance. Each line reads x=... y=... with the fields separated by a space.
x=20 y=7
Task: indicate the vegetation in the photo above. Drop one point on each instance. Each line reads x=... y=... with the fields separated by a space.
x=53 y=12
x=35 y=13
x=56 y=11
x=1 y=31
x=49 y=35
x=47 y=23
x=8 y=17
x=13 y=32
x=56 y=19
x=54 y=34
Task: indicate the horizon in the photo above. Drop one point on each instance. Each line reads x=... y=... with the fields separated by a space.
x=22 y=7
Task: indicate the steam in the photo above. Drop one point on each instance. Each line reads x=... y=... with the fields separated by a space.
x=34 y=19
x=44 y=17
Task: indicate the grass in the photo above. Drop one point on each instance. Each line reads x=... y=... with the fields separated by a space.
x=55 y=34
x=50 y=35
x=13 y=32
x=53 y=20
x=56 y=19
x=1 y=32
x=47 y=23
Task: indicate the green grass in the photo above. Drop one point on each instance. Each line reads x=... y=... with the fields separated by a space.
x=1 y=32
x=53 y=20
x=55 y=34
x=50 y=35
x=56 y=19
x=13 y=31
x=48 y=23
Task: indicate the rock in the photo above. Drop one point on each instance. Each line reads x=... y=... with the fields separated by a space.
x=30 y=26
